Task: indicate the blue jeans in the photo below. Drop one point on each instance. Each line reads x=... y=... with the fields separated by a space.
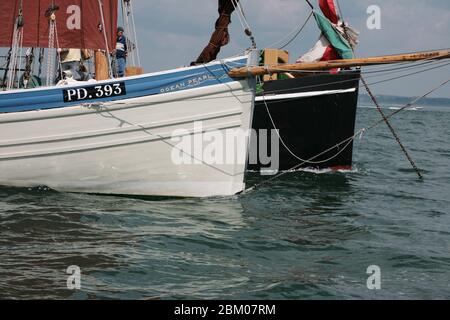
x=121 y=63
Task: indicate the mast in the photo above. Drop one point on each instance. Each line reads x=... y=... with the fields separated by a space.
x=345 y=63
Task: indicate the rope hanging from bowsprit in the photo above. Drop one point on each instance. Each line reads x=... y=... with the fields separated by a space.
x=385 y=119
x=345 y=143
x=391 y=128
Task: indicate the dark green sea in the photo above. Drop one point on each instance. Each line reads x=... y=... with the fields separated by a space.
x=308 y=235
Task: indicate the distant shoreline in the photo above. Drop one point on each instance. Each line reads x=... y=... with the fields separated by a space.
x=364 y=98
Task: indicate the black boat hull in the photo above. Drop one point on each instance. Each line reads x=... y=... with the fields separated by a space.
x=313 y=114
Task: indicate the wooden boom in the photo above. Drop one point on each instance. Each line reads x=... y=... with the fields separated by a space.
x=346 y=63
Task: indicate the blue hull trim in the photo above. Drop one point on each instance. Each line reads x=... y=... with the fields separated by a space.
x=152 y=84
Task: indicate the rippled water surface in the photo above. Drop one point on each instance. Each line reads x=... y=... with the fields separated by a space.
x=306 y=235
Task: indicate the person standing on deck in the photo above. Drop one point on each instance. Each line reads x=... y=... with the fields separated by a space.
x=121 y=52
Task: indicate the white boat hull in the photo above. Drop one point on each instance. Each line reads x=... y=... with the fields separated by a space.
x=125 y=147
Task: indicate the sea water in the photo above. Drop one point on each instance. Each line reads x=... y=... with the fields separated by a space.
x=306 y=235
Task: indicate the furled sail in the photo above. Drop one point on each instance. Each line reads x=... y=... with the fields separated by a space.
x=220 y=37
x=336 y=41
x=79 y=23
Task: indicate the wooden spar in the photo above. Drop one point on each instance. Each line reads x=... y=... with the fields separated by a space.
x=101 y=66
x=346 y=63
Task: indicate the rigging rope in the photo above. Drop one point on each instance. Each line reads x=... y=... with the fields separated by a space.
x=126 y=24
x=410 y=104
x=391 y=128
x=130 y=29
x=299 y=31
x=41 y=61
x=15 y=53
x=244 y=23
x=51 y=50
x=58 y=55
x=16 y=49
x=385 y=119
x=350 y=139
x=295 y=30
x=28 y=67
x=409 y=74
x=380 y=110
x=135 y=33
x=8 y=63
x=289 y=149
x=100 y=3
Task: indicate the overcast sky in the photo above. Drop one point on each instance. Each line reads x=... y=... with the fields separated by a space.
x=173 y=32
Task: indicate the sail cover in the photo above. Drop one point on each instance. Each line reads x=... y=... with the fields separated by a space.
x=79 y=23
x=220 y=37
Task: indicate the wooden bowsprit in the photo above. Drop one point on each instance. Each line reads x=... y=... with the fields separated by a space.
x=345 y=63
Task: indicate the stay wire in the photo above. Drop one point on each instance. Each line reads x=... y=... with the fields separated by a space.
x=386 y=120
x=244 y=23
x=299 y=31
